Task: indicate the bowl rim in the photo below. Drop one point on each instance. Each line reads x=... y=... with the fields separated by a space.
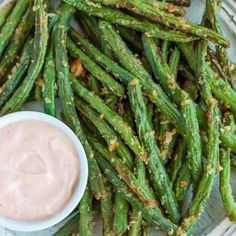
x=27 y=226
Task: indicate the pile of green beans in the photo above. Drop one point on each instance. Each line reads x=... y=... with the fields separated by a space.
x=152 y=104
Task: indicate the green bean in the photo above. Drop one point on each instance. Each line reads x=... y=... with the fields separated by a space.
x=177 y=160
x=183 y=181
x=179 y=10
x=173 y=143
x=140 y=173
x=121 y=210
x=135 y=223
x=85 y=210
x=49 y=76
x=38 y=89
x=163 y=6
x=4 y=12
x=97 y=35
x=112 y=118
x=142 y=191
x=228 y=139
x=220 y=89
x=12 y=21
x=107 y=209
x=215 y=64
x=184 y=3
x=182 y=99
x=166 y=137
x=154 y=91
x=105 y=49
x=225 y=187
x=165 y=49
x=134 y=65
x=156 y=169
x=170 y=21
x=206 y=183
x=89 y=26
x=17 y=41
x=120 y=18
x=203 y=191
x=156 y=123
x=150 y=108
x=146 y=64
x=121 y=207
x=95 y=70
x=40 y=46
x=154 y=216
x=131 y=36
x=113 y=141
x=128 y=114
x=94 y=85
x=229 y=122
x=174 y=61
x=17 y=73
x=67 y=99
x=211 y=20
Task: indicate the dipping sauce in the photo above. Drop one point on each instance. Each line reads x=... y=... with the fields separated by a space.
x=39 y=170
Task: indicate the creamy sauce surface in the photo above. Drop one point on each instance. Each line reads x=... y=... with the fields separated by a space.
x=39 y=170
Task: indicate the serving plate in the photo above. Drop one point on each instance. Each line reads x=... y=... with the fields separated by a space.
x=213 y=221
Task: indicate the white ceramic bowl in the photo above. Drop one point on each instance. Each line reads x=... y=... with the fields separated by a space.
x=80 y=188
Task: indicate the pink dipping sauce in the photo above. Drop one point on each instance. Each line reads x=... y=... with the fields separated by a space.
x=39 y=170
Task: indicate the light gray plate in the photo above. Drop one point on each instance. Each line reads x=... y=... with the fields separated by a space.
x=213 y=221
